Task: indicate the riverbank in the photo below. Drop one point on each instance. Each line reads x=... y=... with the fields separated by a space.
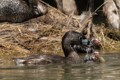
x=44 y=34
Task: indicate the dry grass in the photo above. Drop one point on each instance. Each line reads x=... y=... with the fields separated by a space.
x=108 y=44
x=43 y=35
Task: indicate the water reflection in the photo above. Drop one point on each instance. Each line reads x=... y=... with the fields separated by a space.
x=90 y=71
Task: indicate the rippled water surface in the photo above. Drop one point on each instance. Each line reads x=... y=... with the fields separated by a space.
x=83 y=71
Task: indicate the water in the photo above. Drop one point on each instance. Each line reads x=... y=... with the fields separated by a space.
x=83 y=71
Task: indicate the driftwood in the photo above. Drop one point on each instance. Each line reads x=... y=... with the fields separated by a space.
x=112 y=11
x=67 y=7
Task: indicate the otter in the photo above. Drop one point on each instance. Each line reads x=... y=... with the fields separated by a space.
x=20 y=10
x=77 y=42
x=69 y=41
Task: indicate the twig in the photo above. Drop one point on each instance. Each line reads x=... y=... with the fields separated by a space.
x=52 y=7
x=100 y=6
x=20 y=31
x=70 y=18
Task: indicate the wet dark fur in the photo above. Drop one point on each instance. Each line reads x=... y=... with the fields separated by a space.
x=71 y=39
x=71 y=56
x=39 y=59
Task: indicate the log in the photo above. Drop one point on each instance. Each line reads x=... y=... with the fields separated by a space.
x=112 y=12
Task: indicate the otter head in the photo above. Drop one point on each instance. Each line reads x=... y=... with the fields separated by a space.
x=37 y=7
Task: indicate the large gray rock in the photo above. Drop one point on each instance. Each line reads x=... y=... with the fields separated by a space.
x=20 y=10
